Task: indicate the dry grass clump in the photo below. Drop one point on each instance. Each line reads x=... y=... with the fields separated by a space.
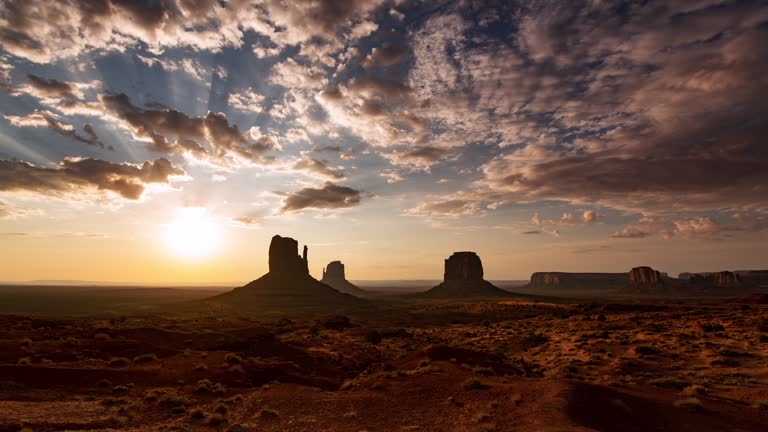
x=268 y=414
x=691 y=404
x=118 y=362
x=474 y=384
x=145 y=358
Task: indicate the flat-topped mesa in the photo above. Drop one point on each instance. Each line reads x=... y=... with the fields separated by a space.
x=284 y=259
x=335 y=277
x=463 y=266
x=645 y=276
x=334 y=270
x=720 y=279
x=577 y=281
x=463 y=278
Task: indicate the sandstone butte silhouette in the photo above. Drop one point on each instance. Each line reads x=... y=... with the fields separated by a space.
x=464 y=278
x=335 y=277
x=288 y=283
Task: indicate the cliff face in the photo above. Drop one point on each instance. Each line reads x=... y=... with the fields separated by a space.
x=463 y=277
x=582 y=281
x=334 y=270
x=719 y=279
x=463 y=266
x=334 y=276
x=284 y=260
x=288 y=284
x=645 y=276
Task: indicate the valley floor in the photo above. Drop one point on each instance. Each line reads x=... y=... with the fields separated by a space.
x=440 y=366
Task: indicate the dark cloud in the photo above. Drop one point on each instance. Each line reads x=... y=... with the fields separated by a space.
x=319 y=167
x=172 y=132
x=330 y=196
x=426 y=154
x=532 y=232
x=386 y=56
x=327 y=149
x=43 y=118
x=77 y=175
x=630 y=233
x=245 y=220
x=51 y=88
x=659 y=108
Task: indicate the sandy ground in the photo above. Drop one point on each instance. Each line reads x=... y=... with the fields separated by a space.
x=488 y=366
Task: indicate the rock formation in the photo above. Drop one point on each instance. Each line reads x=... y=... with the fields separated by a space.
x=577 y=281
x=284 y=261
x=287 y=285
x=645 y=276
x=333 y=276
x=754 y=277
x=463 y=277
x=719 y=279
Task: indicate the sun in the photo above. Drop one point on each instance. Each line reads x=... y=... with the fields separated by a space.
x=193 y=233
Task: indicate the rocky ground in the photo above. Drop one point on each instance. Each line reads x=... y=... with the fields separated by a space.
x=432 y=366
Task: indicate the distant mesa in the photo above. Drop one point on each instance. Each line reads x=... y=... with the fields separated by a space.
x=720 y=279
x=645 y=276
x=334 y=276
x=464 y=278
x=577 y=281
x=287 y=285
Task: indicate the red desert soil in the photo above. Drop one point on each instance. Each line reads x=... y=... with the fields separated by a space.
x=429 y=366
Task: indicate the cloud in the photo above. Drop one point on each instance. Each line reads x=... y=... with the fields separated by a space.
x=247 y=101
x=573 y=102
x=531 y=232
x=330 y=196
x=171 y=132
x=630 y=233
x=81 y=176
x=44 y=118
x=245 y=220
x=11 y=211
x=451 y=206
x=319 y=167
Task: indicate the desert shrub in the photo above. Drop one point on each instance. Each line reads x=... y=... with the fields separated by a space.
x=145 y=358
x=646 y=350
x=473 y=384
x=668 y=382
x=532 y=340
x=197 y=414
x=121 y=390
x=762 y=325
x=373 y=337
x=25 y=343
x=174 y=402
x=601 y=317
x=762 y=404
x=71 y=341
x=104 y=383
x=232 y=358
x=337 y=322
x=268 y=414
x=691 y=404
x=110 y=402
x=201 y=367
x=101 y=336
x=118 y=362
x=215 y=420
x=236 y=369
x=24 y=361
x=221 y=408
x=203 y=386
x=350 y=415
x=712 y=327
x=693 y=390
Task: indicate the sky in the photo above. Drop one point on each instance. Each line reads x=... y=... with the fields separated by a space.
x=167 y=141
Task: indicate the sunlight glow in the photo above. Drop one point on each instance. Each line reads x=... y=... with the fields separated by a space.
x=193 y=233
